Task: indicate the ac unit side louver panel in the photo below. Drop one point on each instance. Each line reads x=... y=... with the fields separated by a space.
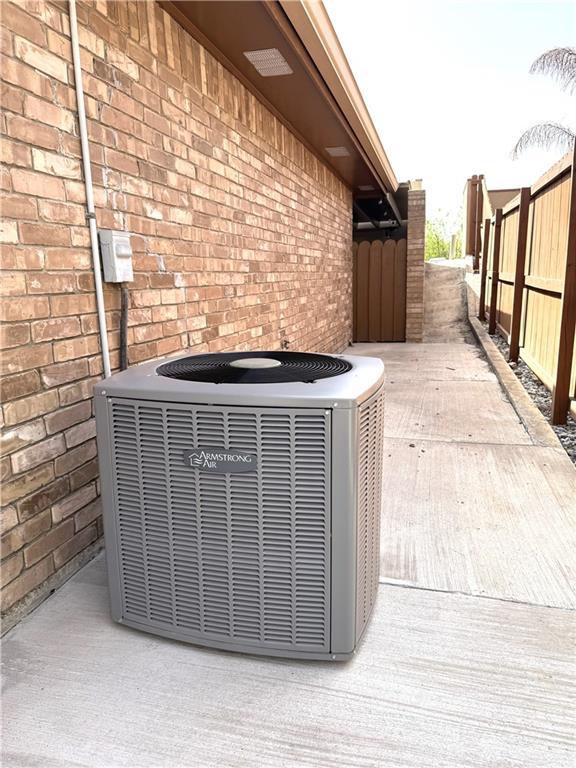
x=370 y=450
x=243 y=558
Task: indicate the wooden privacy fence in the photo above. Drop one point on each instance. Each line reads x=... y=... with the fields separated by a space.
x=528 y=280
x=380 y=290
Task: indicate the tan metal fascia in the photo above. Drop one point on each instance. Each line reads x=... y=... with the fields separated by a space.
x=312 y=24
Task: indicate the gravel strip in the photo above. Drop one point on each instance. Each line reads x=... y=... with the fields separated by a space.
x=541 y=397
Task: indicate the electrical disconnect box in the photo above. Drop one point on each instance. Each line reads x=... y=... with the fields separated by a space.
x=116 y=256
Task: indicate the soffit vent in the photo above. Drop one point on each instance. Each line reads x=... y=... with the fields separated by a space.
x=366 y=188
x=269 y=62
x=337 y=151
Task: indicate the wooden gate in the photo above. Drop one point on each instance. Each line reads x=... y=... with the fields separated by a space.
x=380 y=290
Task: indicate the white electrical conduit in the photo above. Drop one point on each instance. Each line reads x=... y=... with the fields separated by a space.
x=91 y=214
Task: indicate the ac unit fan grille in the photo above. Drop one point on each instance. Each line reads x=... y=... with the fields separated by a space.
x=237 y=557
x=217 y=369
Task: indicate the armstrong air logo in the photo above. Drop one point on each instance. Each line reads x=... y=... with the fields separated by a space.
x=219 y=460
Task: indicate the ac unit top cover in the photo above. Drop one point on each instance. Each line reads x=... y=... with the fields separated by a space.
x=271 y=378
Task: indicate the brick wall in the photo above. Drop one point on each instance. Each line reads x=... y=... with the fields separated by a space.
x=241 y=239
x=415 y=265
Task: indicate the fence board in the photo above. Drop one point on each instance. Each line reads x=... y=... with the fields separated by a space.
x=400 y=291
x=520 y=267
x=483 y=270
x=528 y=280
x=375 y=306
x=380 y=291
x=495 y=268
x=361 y=298
x=567 y=333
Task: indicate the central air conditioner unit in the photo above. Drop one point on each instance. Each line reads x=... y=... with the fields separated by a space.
x=241 y=496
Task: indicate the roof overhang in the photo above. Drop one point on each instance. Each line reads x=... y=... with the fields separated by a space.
x=319 y=101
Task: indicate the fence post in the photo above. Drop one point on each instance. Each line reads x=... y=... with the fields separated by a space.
x=561 y=390
x=479 y=204
x=521 y=244
x=485 y=253
x=495 y=272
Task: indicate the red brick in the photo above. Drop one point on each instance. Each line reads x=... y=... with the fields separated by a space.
x=12 y=567
x=51 y=114
x=12 y=99
x=24 y=358
x=12 y=284
x=121 y=162
x=28 y=531
x=80 y=433
x=41 y=59
x=19 y=207
x=72 y=349
x=31 y=132
x=22 y=435
x=88 y=514
x=115 y=119
x=79 y=477
x=66 y=417
x=8 y=518
x=43 y=498
x=15 y=153
x=28 y=408
x=55 y=164
x=74 y=546
x=36 y=454
x=5 y=469
x=72 y=503
x=14 y=335
x=23 y=308
x=72 y=393
x=26 y=78
x=58 y=44
x=8 y=232
x=75 y=458
x=27 y=483
x=119 y=60
x=47 y=282
x=62 y=373
x=5 y=180
x=20 y=385
x=58 y=328
x=71 y=305
x=26 y=582
x=68 y=258
x=17 y=20
x=47 y=543
x=39 y=184
x=64 y=213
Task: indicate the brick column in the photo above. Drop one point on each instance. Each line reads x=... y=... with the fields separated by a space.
x=415 y=265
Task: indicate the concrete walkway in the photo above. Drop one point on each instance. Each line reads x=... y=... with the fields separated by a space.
x=467 y=662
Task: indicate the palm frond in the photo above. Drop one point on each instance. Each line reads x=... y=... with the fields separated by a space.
x=545 y=136
x=560 y=63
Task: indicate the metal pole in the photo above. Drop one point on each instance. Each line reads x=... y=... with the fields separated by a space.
x=90 y=211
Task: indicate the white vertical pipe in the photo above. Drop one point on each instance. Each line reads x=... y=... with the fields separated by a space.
x=91 y=214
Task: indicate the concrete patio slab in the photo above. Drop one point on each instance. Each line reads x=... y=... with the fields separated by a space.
x=460 y=411
x=440 y=680
x=492 y=520
x=449 y=362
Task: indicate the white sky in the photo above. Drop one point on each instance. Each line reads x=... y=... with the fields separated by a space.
x=447 y=85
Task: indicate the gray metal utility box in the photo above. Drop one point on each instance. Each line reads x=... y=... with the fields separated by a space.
x=242 y=500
